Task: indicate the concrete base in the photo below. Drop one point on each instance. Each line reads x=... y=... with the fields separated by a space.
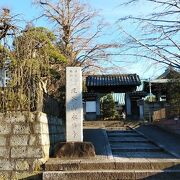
x=74 y=150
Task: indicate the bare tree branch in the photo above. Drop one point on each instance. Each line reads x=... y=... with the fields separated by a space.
x=77 y=30
x=159 y=35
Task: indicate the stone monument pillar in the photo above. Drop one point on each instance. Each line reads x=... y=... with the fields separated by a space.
x=74 y=146
x=74 y=106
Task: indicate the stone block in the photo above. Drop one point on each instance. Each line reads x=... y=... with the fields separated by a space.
x=6 y=165
x=5 y=128
x=46 y=150
x=4 y=152
x=35 y=152
x=22 y=165
x=37 y=165
x=2 y=140
x=2 y=118
x=26 y=175
x=45 y=128
x=41 y=128
x=37 y=128
x=19 y=140
x=5 y=175
x=16 y=118
x=33 y=140
x=19 y=152
x=31 y=117
x=44 y=139
x=21 y=129
x=42 y=117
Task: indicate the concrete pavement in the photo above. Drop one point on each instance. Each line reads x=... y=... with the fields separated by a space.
x=98 y=137
x=164 y=139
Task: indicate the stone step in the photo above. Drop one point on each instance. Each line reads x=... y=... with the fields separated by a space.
x=133 y=145
x=118 y=164
x=109 y=128
x=115 y=141
x=135 y=149
x=120 y=135
x=103 y=124
x=120 y=131
x=112 y=174
x=128 y=139
x=158 y=155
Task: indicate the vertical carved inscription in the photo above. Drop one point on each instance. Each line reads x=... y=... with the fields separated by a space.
x=74 y=109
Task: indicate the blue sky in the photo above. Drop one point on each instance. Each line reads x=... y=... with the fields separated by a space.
x=111 y=11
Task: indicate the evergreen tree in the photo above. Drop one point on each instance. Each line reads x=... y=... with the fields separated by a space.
x=108 y=106
x=174 y=94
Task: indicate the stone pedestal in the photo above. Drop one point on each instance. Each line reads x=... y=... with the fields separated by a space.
x=74 y=150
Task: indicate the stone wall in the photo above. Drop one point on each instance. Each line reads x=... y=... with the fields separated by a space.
x=26 y=140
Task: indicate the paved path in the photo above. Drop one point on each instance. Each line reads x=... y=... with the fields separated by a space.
x=165 y=139
x=170 y=125
x=100 y=140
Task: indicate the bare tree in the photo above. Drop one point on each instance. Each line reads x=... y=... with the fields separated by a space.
x=159 y=33
x=7 y=26
x=78 y=31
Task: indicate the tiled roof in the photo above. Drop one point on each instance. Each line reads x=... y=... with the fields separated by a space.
x=113 y=80
x=169 y=74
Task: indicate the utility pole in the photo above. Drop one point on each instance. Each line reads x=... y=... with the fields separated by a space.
x=150 y=91
x=150 y=94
